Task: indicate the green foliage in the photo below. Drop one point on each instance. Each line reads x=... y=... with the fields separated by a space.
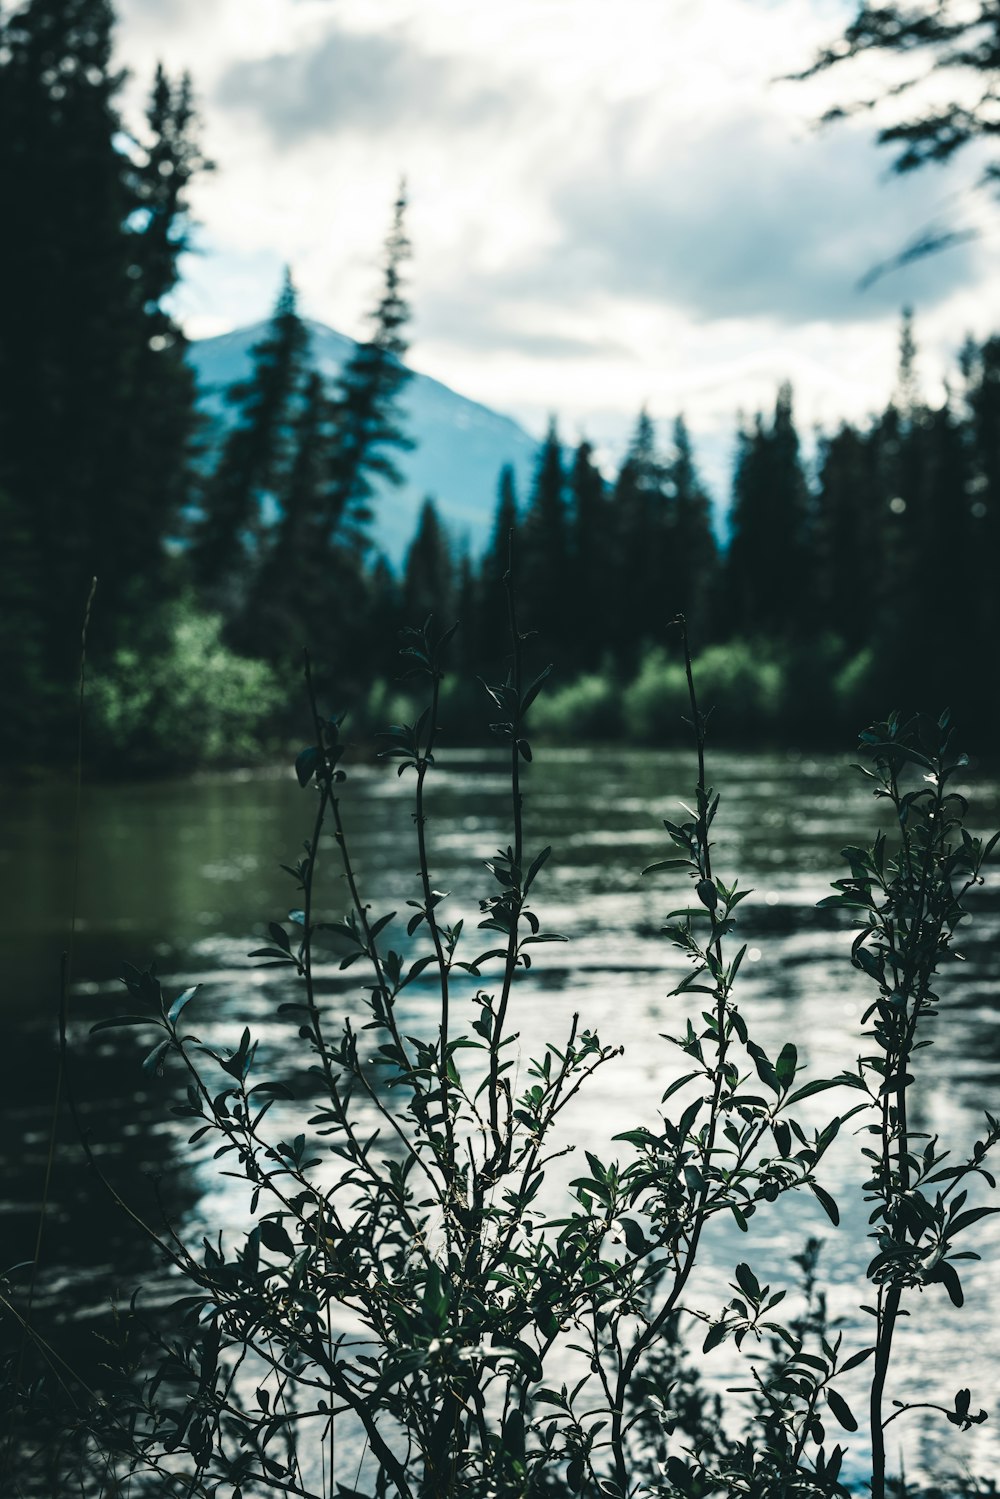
x=907 y=896
x=192 y=702
x=855 y=686
x=409 y=1270
x=654 y=702
x=588 y=709
x=738 y=674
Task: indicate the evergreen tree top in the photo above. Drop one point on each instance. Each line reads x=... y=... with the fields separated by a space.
x=288 y=299
x=642 y=443
x=907 y=382
x=393 y=311
x=278 y=359
x=642 y=469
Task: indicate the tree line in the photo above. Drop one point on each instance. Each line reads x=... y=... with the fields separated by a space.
x=867 y=572
x=871 y=569
x=871 y=566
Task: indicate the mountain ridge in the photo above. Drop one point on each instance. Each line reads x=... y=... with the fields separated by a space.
x=461 y=444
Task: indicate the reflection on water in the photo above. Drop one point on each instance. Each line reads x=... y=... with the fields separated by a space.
x=188 y=874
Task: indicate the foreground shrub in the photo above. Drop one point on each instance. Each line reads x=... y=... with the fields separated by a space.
x=415 y=1284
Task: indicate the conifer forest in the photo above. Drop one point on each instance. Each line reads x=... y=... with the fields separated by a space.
x=825 y=581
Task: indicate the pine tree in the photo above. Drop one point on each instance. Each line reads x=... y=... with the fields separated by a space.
x=160 y=177
x=429 y=571
x=983 y=435
x=590 y=536
x=692 y=561
x=96 y=416
x=364 y=429
x=851 y=525
x=289 y=587
x=544 y=586
x=155 y=426
x=315 y=455
x=254 y=458
x=64 y=275
x=908 y=400
x=768 y=582
x=468 y=652
x=491 y=603
x=366 y=400
x=900 y=441
x=930 y=602
x=639 y=552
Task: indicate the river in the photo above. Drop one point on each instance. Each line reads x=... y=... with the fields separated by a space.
x=187 y=874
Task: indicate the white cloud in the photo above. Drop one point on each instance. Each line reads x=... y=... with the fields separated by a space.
x=373 y=84
x=610 y=204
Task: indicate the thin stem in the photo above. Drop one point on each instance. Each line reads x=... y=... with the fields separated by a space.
x=361 y=911
x=308 y=881
x=656 y=1324
x=913 y=964
x=517 y=807
x=423 y=763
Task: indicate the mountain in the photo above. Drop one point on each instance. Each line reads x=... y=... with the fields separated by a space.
x=460 y=445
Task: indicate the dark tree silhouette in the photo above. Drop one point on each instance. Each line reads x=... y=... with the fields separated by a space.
x=491 y=600
x=254 y=457
x=290 y=584
x=590 y=521
x=429 y=571
x=852 y=517
x=639 y=545
x=692 y=561
x=768 y=586
x=544 y=585
x=981 y=368
x=366 y=401
x=940 y=36
x=97 y=414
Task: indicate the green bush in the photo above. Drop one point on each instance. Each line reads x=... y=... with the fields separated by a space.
x=386 y=702
x=752 y=684
x=193 y=702
x=653 y=703
x=855 y=685
x=589 y=708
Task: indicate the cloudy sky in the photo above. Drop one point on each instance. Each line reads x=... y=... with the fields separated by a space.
x=612 y=201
